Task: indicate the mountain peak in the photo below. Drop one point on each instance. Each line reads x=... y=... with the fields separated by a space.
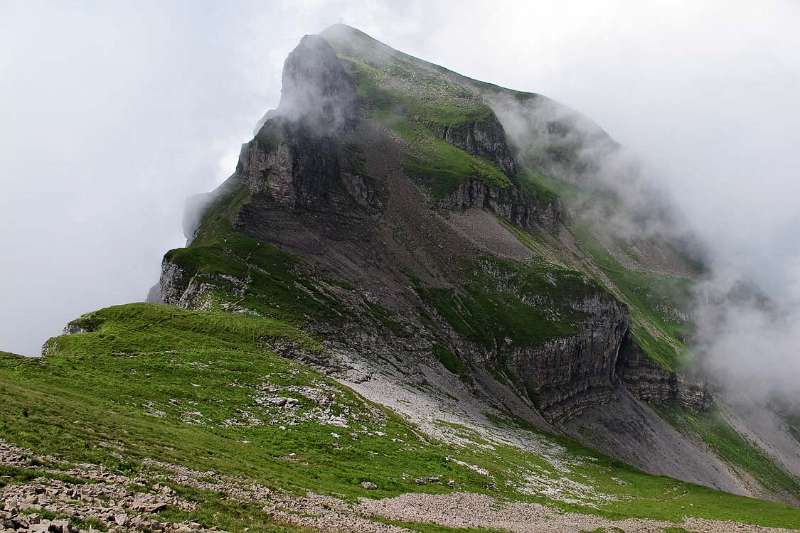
x=413 y=282
x=316 y=86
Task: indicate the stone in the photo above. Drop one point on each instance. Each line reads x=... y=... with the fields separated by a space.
x=41 y=527
x=369 y=485
x=60 y=526
x=509 y=202
x=147 y=505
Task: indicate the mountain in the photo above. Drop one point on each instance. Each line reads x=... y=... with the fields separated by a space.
x=417 y=292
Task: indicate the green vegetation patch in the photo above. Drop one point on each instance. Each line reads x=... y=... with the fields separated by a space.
x=734 y=448
x=441 y=167
x=419 y=108
x=194 y=388
x=214 y=511
x=656 y=303
x=254 y=275
x=449 y=360
x=218 y=215
x=423 y=96
x=527 y=303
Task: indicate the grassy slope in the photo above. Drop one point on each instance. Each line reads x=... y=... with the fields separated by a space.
x=492 y=306
x=256 y=276
x=436 y=165
x=418 y=101
x=155 y=381
x=648 y=296
x=735 y=449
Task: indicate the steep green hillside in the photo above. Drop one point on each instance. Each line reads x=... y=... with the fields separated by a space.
x=658 y=302
x=151 y=382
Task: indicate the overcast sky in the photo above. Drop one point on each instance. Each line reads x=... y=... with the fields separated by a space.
x=111 y=113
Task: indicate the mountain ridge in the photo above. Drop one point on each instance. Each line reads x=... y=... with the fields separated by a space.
x=411 y=114
x=412 y=283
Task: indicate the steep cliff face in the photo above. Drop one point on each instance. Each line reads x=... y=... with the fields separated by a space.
x=509 y=203
x=484 y=137
x=295 y=156
x=650 y=382
x=566 y=375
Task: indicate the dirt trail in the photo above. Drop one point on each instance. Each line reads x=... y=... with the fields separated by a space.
x=462 y=510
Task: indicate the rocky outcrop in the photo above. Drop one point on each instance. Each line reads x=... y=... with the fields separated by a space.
x=298 y=158
x=509 y=202
x=173 y=283
x=650 y=382
x=292 y=163
x=184 y=289
x=568 y=374
x=316 y=88
x=485 y=138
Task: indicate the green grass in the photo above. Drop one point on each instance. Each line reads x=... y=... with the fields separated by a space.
x=419 y=108
x=540 y=185
x=491 y=307
x=100 y=386
x=441 y=167
x=218 y=216
x=449 y=360
x=419 y=105
x=734 y=448
x=213 y=510
x=94 y=397
x=419 y=101
x=655 y=302
x=424 y=97
x=265 y=279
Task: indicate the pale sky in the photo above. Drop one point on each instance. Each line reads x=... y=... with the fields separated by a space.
x=111 y=113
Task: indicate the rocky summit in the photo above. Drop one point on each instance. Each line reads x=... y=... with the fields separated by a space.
x=420 y=302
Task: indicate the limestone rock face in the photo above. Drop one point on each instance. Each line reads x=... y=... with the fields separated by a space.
x=485 y=138
x=567 y=374
x=295 y=156
x=650 y=382
x=316 y=88
x=508 y=202
x=290 y=162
